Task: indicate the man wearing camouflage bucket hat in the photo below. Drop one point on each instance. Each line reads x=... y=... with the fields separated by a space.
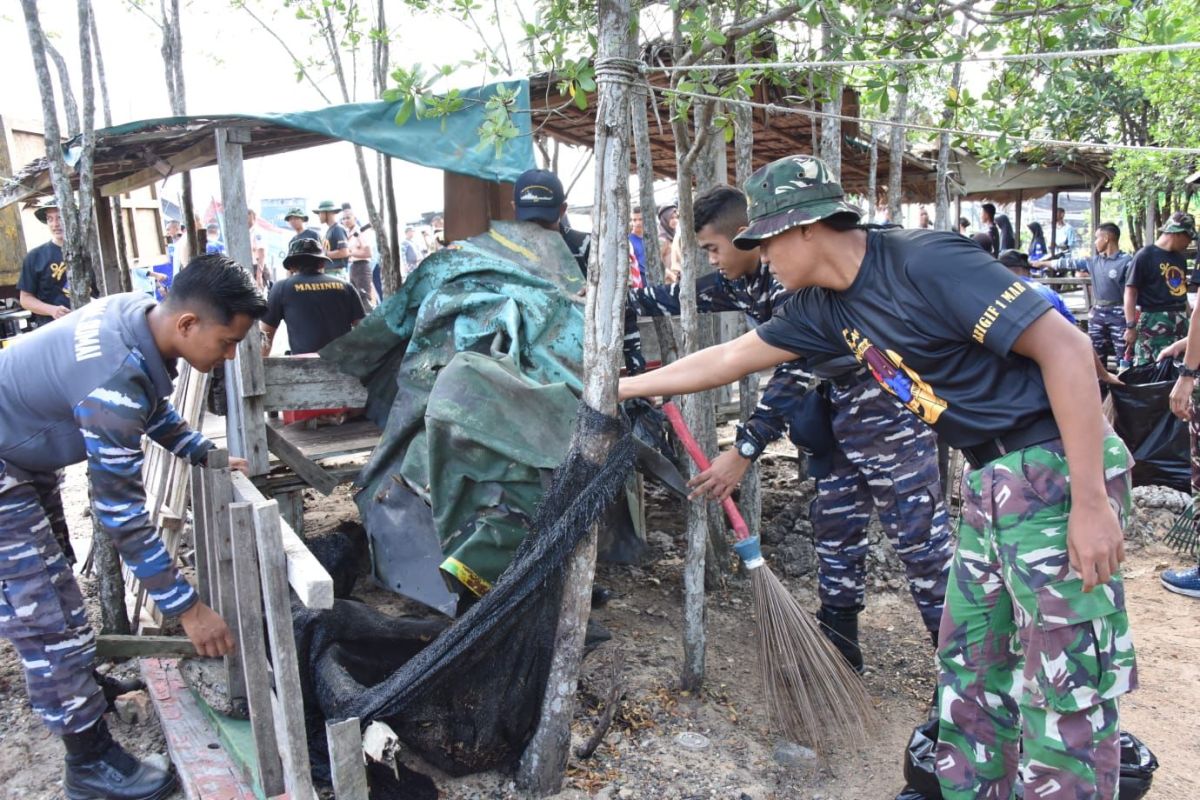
x=335 y=239
x=1156 y=302
x=1034 y=644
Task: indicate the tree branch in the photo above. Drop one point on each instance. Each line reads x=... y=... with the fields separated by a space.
x=295 y=61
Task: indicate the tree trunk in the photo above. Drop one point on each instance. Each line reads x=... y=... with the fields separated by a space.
x=751 y=489
x=70 y=106
x=655 y=270
x=831 y=128
x=941 y=215
x=896 y=145
x=545 y=758
x=872 y=175
x=118 y=218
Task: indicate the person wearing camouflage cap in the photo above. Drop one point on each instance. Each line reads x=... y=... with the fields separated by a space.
x=334 y=239
x=1034 y=647
x=876 y=442
x=1156 y=301
x=297 y=220
x=317 y=307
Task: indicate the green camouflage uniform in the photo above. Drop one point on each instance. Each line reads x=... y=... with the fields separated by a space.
x=1156 y=331
x=1021 y=640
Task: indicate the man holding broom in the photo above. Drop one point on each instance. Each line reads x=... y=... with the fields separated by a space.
x=884 y=459
x=1034 y=639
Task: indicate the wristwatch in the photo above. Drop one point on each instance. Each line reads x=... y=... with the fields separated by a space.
x=1130 y=325
x=747 y=449
x=1188 y=372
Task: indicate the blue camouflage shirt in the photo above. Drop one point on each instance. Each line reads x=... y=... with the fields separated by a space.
x=758 y=295
x=88 y=387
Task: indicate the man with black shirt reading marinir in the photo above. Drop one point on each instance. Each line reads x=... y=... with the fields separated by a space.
x=317 y=308
x=1035 y=646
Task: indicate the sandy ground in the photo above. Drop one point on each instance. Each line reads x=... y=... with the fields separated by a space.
x=643 y=756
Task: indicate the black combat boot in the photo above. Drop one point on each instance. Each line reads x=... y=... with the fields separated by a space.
x=840 y=626
x=100 y=769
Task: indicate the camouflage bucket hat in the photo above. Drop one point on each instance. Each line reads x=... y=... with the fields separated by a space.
x=1180 y=222
x=304 y=251
x=788 y=193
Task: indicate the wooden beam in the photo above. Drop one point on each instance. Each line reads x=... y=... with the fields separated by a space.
x=274 y=565
x=1017 y=216
x=119 y=647
x=246 y=421
x=310 y=471
x=307 y=577
x=1053 y=219
x=252 y=643
x=293 y=383
x=346 y=759
x=198 y=155
x=221 y=560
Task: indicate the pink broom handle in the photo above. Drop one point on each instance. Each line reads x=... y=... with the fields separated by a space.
x=740 y=530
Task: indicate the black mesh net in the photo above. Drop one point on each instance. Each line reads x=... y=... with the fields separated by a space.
x=465 y=695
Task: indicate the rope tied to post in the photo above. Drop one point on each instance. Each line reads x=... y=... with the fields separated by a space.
x=627 y=72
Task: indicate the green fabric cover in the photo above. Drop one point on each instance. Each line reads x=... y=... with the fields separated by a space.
x=450 y=144
x=483 y=348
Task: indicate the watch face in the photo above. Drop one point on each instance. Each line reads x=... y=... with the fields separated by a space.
x=746 y=449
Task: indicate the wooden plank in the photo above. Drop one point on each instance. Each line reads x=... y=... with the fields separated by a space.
x=197 y=155
x=346 y=759
x=289 y=454
x=301 y=383
x=307 y=577
x=205 y=770
x=221 y=544
x=200 y=535
x=359 y=436
x=273 y=565
x=116 y=646
x=247 y=417
x=252 y=645
x=291 y=508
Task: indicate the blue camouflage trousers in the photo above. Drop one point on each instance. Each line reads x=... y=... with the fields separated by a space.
x=1106 y=329
x=1027 y=657
x=42 y=610
x=886 y=460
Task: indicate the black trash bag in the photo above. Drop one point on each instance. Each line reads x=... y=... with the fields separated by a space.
x=1137 y=768
x=920 y=766
x=1156 y=437
x=466 y=696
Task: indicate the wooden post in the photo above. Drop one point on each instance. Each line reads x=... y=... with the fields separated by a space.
x=110 y=263
x=1017 y=216
x=244 y=381
x=221 y=564
x=1053 y=219
x=200 y=533
x=252 y=646
x=346 y=759
x=544 y=761
x=289 y=709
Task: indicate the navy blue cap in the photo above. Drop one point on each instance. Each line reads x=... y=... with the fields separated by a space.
x=538 y=195
x=811 y=429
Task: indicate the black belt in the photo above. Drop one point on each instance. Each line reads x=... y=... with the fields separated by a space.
x=849 y=380
x=1043 y=430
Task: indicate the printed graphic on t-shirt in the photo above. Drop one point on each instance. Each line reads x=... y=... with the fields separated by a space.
x=58 y=271
x=890 y=371
x=1174 y=278
x=331 y=286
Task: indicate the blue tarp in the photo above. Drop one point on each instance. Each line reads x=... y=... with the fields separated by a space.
x=451 y=143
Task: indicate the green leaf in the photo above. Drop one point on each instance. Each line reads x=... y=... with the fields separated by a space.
x=406 y=110
x=581 y=101
x=715 y=37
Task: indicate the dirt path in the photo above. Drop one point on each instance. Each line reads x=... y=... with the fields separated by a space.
x=643 y=757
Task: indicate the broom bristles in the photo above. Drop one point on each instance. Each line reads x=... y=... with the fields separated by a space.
x=812 y=694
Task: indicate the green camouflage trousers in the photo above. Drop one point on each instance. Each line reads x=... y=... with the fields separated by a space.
x=1156 y=330
x=1025 y=655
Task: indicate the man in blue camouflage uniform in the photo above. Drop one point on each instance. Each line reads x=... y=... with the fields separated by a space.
x=1034 y=645
x=884 y=460
x=1108 y=268
x=88 y=387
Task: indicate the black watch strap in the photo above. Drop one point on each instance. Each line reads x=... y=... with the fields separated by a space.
x=1186 y=372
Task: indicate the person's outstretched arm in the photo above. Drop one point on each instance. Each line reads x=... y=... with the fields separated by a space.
x=1095 y=542
x=706 y=369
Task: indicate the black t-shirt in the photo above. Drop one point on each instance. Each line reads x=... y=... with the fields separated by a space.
x=336 y=238
x=579 y=243
x=44 y=275
x=1160 y=277
x=318 y=308
x=307 y=233
x=933 y=317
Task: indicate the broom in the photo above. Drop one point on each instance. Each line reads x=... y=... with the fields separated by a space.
x=812 y=694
